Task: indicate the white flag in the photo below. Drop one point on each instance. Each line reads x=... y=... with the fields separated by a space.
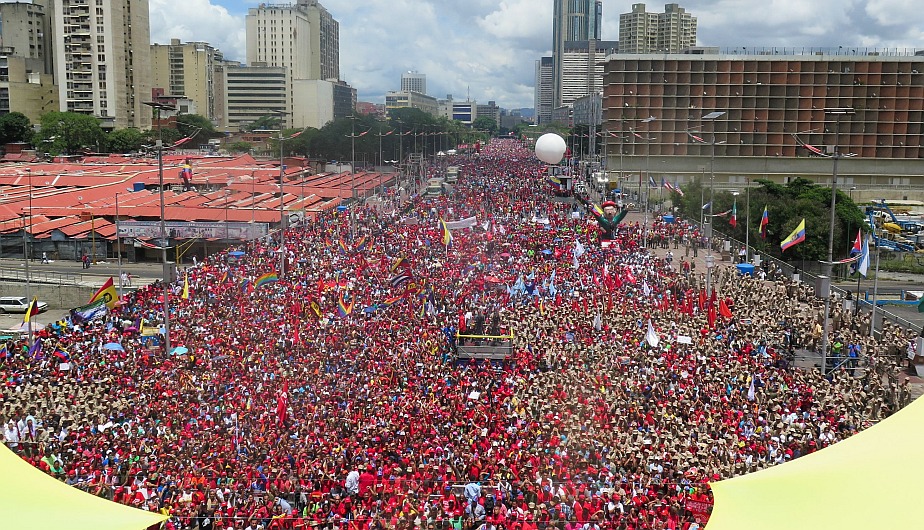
x=646 y=289
x=598 y=322
x=652 y=336
x=863 y=266
x=752 y=394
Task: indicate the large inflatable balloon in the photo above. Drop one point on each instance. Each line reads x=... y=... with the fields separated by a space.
x=550 y=148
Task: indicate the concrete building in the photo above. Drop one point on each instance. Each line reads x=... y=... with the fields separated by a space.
x=414 y=100
x=773 y=105
x=318 y=102
x=542 y=99
x=371 y=109
x=255 y=91
x=302 y=37
x=582 y=68
x=572 y=20
x=344 y=99
x=588 y=110
x=25 y=88
x=102 y=58
x=25 y=31
x=490 y=110
x=187 y=70
x=414 y=82
x=667 y=32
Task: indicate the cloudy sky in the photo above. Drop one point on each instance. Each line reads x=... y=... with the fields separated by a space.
x=488 y=47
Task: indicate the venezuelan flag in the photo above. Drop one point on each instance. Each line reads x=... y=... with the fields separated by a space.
x=764 y=221
x=797 y=236
x=61 y=354
x=266 y=279
x=447 y=235
x=598 y=210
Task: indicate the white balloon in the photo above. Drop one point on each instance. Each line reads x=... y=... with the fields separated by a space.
x=550 y=148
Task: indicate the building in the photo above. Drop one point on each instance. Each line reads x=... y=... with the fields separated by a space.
x=25 y=88
x=588 y=110
x=302 y=37
x=582 y=68
x=465 y=111
x=102 y=58
x=371 y=109
x=667 y=32
x=25 y=31
x=414 y=100
x=543 y=90
x=572 y=20
x=772 y=105
x=414 y=82
x=491 y=110
x=344 y=100
x=187 y=70
x=252 y=92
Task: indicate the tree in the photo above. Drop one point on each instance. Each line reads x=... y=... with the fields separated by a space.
x=265 y=122
x=240 y=147
x=15 y=127
x=125 y=140
x=68 y=133
x=486 y=124
x=197 y=126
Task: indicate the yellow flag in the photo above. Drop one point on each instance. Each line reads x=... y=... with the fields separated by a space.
x=186 y=287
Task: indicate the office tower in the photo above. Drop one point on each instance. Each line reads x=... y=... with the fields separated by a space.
x=414 y=82
x=582 y=68
x=187 y=70
x=302 y=37
x=252 y=92
x=102 y=60
x=573 y=20
x=543 y=90
x=667 y=32
x=25 y=31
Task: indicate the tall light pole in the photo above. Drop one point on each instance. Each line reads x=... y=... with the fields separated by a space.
x=163 y=223
x=710 y=259
x=648 y=140
x=282 y=196
x=118 y=244
x=826 y=283
x=352 y=157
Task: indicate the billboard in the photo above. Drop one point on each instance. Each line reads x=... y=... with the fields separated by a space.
x=193 y=229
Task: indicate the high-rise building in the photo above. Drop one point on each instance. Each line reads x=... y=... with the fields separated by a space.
x=25 y=88
x=542 y=99
x=573 y=20
x=252 y=92
x=582 y=68
x=414 y=82
x=302 y=37
x=667 y=32
x=491 y=110
x=412 y=100
x=102 y=58
x=187 y=70
x=25 y=31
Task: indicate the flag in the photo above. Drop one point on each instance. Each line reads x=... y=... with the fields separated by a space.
x=400 y=279
x=734 y=215
x=343 y=246
x=857 y=244
x=447 y=235
x=797 y=236
x=400 y=262
x=651 y=337
x=316 y=308
x=107 y=293
x=342 y=308
x=244 y=284
x=752 y=394
x=223 y=278
x=362 y=244
x=578 y=251
x=36 y=350
x=764 y=221
x=61 y=354
x=863 y=265
x=266 y=279
x=724 y=309
x=651 y=182
x=31 y=311
x=89 y=312
x=4 y=352
x=598 y=210
x=677 y=189
x=390 y=301
x=185 y=295
x=707 y=205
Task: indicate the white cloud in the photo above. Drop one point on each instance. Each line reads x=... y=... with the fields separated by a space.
x=198 y=20
x=489 y=47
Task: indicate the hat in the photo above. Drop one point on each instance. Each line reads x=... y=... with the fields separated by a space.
x=608 y=203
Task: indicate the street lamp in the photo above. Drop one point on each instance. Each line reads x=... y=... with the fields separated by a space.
x=648 y=140
x=282 y=197
x=826 y=281
x=158 y=107
x=710 y=259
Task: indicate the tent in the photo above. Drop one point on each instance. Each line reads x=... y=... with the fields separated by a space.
x=870 y=480
x=31 y=499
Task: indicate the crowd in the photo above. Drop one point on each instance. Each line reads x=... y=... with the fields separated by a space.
x=333 y=397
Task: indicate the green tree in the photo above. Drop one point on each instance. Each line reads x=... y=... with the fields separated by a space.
x=169 y=135
x=124 y=140
x=239 y=147
x=197 y=126
x=68 y=133
x=265 y=122
x=486 y=124
x=15 y=127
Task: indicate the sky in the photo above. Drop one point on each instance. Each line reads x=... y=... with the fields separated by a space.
x=487 y=48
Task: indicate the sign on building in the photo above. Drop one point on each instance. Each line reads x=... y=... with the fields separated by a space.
x=193 y=229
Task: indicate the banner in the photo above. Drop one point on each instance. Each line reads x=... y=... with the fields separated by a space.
x=462 y=223
x=90 y=311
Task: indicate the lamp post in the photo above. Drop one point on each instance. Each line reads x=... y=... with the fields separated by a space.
x=826 y=283
x=710 y=259
x=118 y=244
x=282 y=196
x=163 y=223
x=648 y=140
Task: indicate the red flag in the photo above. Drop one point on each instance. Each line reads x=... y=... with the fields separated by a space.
x=711 y=316
x=724 y=310
x=702 y=300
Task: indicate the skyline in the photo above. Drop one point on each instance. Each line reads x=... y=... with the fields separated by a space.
x=489 y=48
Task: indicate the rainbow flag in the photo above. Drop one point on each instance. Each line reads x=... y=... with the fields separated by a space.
x=362 y=244
x=390 y=301
x=343 y=246
x=797 y=236
x=244 y=284
x=343 y=309
x=266 y=279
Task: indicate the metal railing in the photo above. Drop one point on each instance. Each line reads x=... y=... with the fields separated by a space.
x=59 y=278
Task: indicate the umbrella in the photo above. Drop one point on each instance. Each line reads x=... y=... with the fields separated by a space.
x=546 y=251
x=505 y=255
x=113 y=346
x=180 y=350
x=236 y=253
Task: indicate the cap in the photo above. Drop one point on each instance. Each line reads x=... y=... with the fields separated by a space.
x=608 y=203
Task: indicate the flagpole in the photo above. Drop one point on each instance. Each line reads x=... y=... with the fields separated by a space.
x=747 y=221
x=872 y=320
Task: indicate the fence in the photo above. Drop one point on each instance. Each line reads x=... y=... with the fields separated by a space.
x=58 y=278
x=809 y=276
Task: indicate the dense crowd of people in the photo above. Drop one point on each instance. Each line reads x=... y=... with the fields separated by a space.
x=335 y=397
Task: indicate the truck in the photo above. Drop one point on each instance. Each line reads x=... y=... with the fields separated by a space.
x=885 y=239
x=452 y=174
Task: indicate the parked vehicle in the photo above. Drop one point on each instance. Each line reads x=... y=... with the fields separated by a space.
x=18 y=304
